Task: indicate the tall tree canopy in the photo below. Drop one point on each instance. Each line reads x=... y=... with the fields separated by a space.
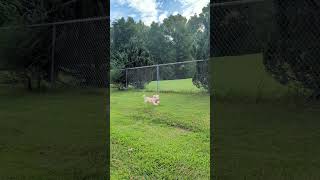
x=27 y=51
x=176 y=39
x=292 y=54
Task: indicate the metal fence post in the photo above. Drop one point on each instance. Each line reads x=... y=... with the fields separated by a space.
x=158 y=78
x=126 y=78
x=53 y=52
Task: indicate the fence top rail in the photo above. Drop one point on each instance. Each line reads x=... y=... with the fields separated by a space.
x=167 y=64
x=233 y=3
x=58 y=23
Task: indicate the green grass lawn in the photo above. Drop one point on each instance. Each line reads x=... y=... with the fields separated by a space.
x=261 y=139
x=262 y=131
x=51 y=135
x=63 y=133
x=182 y=85
x=168 y=141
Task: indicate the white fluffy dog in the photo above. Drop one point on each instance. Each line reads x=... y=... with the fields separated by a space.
x=155 y=99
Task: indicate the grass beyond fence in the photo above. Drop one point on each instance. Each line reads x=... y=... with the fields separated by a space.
x=180 y=85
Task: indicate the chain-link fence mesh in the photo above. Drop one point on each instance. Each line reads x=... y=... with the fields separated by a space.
x=270 y=47
x=82 y=53
x=55 y=100
x=23 y=54
x=189 y=76
x=264 y=71
x=140 y=78
x=72 y=53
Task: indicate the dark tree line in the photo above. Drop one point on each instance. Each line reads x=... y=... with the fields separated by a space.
x=292 y=55
x=26 y=52
x=176 y=39
x=287 y=32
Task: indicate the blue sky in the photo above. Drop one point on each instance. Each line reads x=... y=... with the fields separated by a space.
x=154 y=10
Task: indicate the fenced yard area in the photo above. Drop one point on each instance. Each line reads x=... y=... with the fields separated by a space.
x=168 y=141
x=168 y=58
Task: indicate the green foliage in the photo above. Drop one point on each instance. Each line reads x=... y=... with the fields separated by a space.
x=128 y=49
x=201 y=77
x=8 y=10
x=175 y=28
x=200 y=28
x=176 y=39
x=240 y=29
x=26 y=51
x=118 y=78
x=292 y=54
x=159 y=45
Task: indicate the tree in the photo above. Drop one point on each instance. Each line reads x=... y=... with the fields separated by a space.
x=199 y=27
x=240 y=28
x=128 y=49
x=8 y=10
x=32 y=50
x=175 y=40
x=176 y=30
x=159 y=45
x=292 y=54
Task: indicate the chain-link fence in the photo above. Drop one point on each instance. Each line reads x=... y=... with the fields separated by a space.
x=187 y=76
x=265 y=48
x=265 y=74
x=72 y=53
x=64 y=127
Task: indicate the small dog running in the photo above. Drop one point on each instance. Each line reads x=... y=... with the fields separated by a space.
x=155 y=99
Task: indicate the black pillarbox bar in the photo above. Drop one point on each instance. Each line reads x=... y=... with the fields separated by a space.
x=54 y=89
x=265 y=79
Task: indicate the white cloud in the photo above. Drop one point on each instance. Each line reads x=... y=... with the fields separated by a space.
x=148 y=9
x=116 y=15
x=192 y=7
x=163 y=16
x=175 y=13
